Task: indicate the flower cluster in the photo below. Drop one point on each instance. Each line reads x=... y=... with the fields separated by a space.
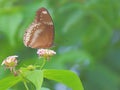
x=10 y=62
x=45 y=53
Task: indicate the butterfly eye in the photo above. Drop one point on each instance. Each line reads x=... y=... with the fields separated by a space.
x=40 y=34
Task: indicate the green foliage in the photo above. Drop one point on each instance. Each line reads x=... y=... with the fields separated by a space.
x=66 y=77
x=8 y=82
x=36 y=78
x=86 y=31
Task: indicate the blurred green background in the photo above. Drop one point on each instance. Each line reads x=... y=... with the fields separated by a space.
x=87 y=39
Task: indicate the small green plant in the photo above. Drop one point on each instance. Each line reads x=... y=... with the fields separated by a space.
x=36 y=74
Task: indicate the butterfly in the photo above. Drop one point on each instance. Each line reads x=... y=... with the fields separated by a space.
x=40 y=34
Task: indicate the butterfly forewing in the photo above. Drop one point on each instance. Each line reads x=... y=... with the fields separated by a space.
x=40 y=33
x=43 y=16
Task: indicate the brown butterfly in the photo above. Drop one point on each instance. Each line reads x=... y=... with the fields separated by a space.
x=40 y=34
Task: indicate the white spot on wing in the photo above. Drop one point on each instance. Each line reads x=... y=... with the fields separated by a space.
x=29 y=32
x=44 y=12
x=48 y=23
x=35 y=36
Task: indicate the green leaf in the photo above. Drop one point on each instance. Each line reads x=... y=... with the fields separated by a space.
x=64 y=76
x=43 y=88
x=8 y=82
x=36 y=77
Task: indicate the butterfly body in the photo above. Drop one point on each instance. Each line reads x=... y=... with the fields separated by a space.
x=40 y=34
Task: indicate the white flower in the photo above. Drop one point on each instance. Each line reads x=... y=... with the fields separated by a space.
x=10 y=62
x=46 y=53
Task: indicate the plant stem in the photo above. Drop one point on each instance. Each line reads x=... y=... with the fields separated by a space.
x=44 y=61
x=26 y=85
